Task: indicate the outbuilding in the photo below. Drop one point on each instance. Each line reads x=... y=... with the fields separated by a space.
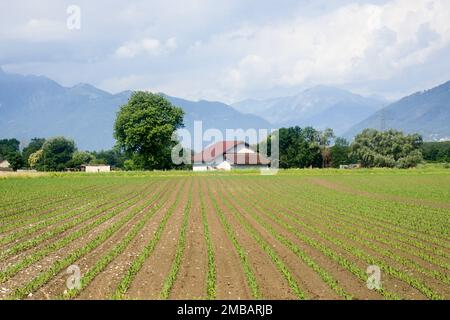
x=5 y=166
x=96 y=168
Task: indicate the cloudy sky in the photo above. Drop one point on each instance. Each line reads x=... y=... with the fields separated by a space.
x=230 y=50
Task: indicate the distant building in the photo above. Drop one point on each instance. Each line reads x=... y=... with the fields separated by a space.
x=350 y=166
x=5 y=166
x=96 y=168
x=229 y=155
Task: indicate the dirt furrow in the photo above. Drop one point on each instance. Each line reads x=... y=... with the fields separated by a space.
x=149 y=280
x=104 y=284
x=231 y=282
x=27 y=274
x=56 y=287
x=191 y=280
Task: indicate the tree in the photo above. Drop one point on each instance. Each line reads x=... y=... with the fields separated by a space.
x=340 y=153
x=79 y=158
x=129 y=165
x=35 y=158
x=436 y=151
x=15 y=160
x=298 y=148
x=56 y=154
x=324 y=143
x=144 y=128
x=114 y=157
x=387 y=149
x=34 y=145
x=8 y=146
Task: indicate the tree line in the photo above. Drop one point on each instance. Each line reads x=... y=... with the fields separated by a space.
x=308 y=147
x=144 y=130
x=55 y=154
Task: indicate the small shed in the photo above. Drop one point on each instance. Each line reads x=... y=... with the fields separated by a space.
x=5 y=166
x=96 y=168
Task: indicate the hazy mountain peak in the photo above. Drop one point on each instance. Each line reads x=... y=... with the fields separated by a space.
x=89 y=91
x=325 y=89
x=34 y=106
x=425 y=112
x=320 y=106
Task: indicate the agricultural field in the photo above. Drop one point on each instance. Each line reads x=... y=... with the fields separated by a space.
x=301 y=234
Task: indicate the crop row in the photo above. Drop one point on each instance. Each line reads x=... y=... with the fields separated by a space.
x=59 y=265
x=248 y=271
x=353 y=214
x=120 y=247
x=304 y=257
x=24 y=245
x=419 y=285
x=139 y=261
x=12 y=270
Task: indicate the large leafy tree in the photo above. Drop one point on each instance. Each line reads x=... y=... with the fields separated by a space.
x=340 y=153
x=144 y=128
x=436 y=151
x=298 y=148
x=79 y=158
x=56 y=154
x=34 y=146
x=325 y=138
x=114 y=157
x=387 y=149
x=15 y=160
x=8 y=146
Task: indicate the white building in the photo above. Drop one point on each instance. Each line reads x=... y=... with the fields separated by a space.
x=228 y=155
x=5 y=165
x=96 y=168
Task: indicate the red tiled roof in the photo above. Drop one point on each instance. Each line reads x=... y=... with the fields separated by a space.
x=213 y=151
x=247 y=158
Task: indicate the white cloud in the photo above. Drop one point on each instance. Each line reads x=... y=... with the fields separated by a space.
x=145 y=46
x=230 y=49
x=118 y=84
x=354 y=42
x=38 y=30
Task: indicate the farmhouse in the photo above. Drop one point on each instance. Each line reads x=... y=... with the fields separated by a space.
x=228 y=155
x=5 y=166
x=95 y=168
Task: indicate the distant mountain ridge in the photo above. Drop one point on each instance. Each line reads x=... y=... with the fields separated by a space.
x=426 y=112
x=320 y=107
x=36 y=106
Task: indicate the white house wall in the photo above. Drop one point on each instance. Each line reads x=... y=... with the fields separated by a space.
x=198 y=167
x=241 y=148
x=94 y=169
x=225 y=165
x=4 y=164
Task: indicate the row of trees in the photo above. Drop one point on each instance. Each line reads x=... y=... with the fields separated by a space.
x=143 y=130
x=307 y=147
x=436 y=151
x=55 y=154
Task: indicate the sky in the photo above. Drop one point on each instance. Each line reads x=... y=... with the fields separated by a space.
x=230 y=50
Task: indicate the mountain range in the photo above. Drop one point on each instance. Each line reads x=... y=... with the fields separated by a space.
x=36 y=106
x=319 y=107
x=426 y=112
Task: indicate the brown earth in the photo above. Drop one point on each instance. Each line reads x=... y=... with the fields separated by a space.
x=191 y=280
x=247 y=203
